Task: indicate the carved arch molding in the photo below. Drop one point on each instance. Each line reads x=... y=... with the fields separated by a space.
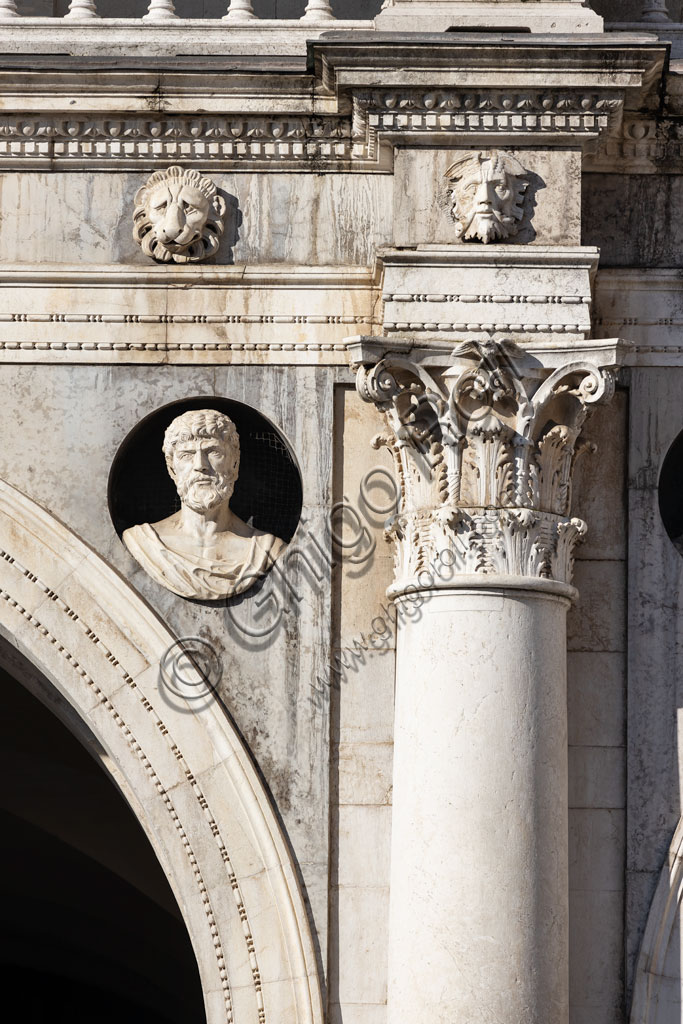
x=658 y=983
x=187 y=776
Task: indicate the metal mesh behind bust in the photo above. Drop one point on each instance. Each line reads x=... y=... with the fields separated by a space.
x=267 y=493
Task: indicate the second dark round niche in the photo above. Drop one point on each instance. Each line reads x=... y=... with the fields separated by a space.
x=268 y=490
x=671 y=493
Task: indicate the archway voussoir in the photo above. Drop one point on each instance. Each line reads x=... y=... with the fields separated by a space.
x=97 y=620
x=34 y=543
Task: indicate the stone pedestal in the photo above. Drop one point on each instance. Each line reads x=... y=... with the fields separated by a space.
x=484 y=441
x=532 y=15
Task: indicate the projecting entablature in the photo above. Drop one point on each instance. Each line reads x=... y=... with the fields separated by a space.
x=361 y=95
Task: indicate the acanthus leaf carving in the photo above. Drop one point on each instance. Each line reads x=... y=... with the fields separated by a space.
x=484 y=454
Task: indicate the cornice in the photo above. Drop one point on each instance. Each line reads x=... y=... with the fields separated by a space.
x=363 y=94
x=113 y=276
x=131 y=37
x=527 y=292
x=344 y=60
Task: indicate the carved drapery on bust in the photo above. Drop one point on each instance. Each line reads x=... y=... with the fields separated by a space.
x=486 y=193
x=178 y=216
x=484 y=453
x=204 y=551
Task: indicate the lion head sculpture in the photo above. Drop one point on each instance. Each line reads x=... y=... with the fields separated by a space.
x=178 y=216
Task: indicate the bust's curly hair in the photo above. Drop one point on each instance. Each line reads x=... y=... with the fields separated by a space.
x=202 y=423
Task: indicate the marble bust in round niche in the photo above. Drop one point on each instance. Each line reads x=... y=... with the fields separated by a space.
x=205 y=495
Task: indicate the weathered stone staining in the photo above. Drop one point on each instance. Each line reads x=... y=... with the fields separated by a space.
x=486 y=193
x=204 y=551
x=466 y=202
x=178 y=216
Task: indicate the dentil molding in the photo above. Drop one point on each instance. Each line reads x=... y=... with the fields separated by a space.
x=360 y=94
x=484 y=445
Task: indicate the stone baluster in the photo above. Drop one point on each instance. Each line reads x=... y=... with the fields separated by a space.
x=160 y=10
x=83 y=10
x=483 y=547
x=654 y=10
x=8 y=9
x=240 y=10
x=318 y=10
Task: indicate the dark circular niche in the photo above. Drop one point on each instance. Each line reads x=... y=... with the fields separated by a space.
x=268 y=490
x=671 y=493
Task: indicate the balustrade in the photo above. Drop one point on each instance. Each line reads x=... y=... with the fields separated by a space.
x=164 y=10
x=315 y=11
x=82 y=9
x=240 y=10
x=160 y=10
x=655 y=10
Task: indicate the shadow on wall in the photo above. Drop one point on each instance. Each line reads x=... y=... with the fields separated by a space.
x=364 y=10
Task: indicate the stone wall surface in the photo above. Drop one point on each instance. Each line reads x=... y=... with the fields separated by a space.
x=596 y=694
x=348 y=263
x=654 y=623
x=271 y=218
x=635 y=217
x=362 y=712
x=266 y=686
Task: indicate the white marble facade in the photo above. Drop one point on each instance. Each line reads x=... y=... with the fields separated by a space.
x=436 y=280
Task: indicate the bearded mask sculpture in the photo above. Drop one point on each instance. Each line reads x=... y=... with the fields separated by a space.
x=486 y=194
x=178 y=216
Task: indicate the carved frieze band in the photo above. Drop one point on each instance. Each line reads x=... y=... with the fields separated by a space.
x=305 y=142
x=484 y=453
x=640 y=144
x=489 y=112
x=212 y=141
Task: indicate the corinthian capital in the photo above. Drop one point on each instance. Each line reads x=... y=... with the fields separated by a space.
x=484 y=445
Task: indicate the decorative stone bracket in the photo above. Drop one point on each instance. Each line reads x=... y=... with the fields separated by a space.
x=484 y=450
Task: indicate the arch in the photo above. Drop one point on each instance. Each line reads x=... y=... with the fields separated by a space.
x=184 y=771
x=656 y=990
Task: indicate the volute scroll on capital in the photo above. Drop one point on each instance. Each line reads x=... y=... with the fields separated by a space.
x=484 y=452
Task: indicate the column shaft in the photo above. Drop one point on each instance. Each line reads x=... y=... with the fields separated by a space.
x=480 y=800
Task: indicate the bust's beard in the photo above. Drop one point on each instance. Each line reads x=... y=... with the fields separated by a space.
x=202 y=497
x=488 y=228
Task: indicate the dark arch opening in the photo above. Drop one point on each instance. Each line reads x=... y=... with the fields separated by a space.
x=90 y=930
x=671 y=493
x=268 y=491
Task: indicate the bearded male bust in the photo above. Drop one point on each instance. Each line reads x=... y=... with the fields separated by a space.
x=203 y=551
